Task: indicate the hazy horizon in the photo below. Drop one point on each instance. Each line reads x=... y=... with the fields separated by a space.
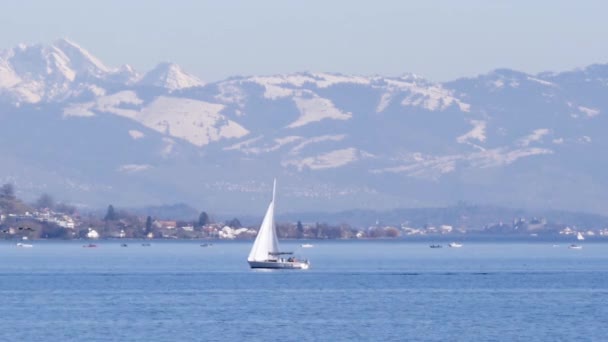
x=437 y=40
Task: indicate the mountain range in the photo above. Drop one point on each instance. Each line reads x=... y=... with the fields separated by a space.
x=92 y=134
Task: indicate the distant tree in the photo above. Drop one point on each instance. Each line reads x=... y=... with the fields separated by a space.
x=148 y=224
x=391 y=232
x=375 y=232
x=45 y=201
x=7 y=191
x=203 y=219
x=110 y=214
x=300 y=230
x=52 y=231
x=321 y=230
x=234 y=223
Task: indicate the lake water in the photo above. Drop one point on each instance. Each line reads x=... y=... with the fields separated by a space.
x=355 y=291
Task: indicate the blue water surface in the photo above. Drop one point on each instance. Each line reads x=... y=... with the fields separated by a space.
x=355 y=291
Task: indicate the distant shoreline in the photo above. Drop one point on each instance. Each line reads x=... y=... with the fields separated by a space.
x=418 y=239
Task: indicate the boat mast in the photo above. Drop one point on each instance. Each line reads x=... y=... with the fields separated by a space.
x=274 y=189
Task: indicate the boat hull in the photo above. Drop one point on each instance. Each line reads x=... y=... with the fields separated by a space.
x=280 y=265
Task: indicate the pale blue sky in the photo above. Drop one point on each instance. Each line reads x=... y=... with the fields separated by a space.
x=440 y=40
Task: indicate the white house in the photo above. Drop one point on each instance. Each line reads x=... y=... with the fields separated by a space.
x=92 y=234
x=188 y=228
x=65 y=222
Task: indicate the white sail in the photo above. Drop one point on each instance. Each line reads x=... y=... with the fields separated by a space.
x=266 y=241
x=580 y=236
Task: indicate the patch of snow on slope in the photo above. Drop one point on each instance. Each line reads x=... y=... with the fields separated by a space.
x=590 y=112
x=433 y=167
x=276 y=144
x=422 y=166
x=585 y=139
x=106 y=104
x=543 y=82
x=500 y=156
x=8 y=77
x=79 y=109
x=433 y=98
x=424 y=94
x=328 y=160
x=498 y=84
x=294 y=80
x=324 y=80
x=282 y=86
x=316 y=109
x=385 y=100
x=274 y=92
x=280 y=142
x=58 y=61
x=298 y=148
x=30 y=92
x=198 y=122
x=243 y=145
x=89 y=89
x=477 y=133
x=230 y=92
x=135 y=134
x=536 y=135
x=320 y=80
x=287 y=140
x=132 y=168
x=112 y=103
x=168 y=148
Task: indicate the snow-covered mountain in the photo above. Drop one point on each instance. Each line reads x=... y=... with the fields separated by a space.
x=95 y=134
x=169 y=76
x=54 y=73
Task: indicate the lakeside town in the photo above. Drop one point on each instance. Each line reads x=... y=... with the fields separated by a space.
x=46 y=219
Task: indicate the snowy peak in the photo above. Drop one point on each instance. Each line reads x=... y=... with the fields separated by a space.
x=56 y=72
x=81 y=60
x=124 y=75
x=62 y=60
x=38 y=62
x=169 y=76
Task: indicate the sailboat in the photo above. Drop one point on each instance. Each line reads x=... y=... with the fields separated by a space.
x=265 y=252
x=579 y=237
